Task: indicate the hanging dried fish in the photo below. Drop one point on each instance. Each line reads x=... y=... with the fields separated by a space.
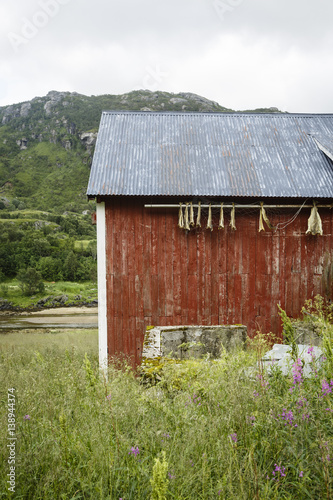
x=181 y=216
x=221 y=221
x=232 y=218
x=263 y=216
x=198 y=224
x=186 y=219
x=209 y=221
x=314 y=222
x=191 y=215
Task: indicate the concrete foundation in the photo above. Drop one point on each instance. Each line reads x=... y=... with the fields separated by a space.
x=184 y=342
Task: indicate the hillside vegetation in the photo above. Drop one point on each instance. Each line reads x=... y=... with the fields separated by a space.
x=46 y=150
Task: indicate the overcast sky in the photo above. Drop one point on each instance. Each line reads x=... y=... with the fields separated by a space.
x=243 y=54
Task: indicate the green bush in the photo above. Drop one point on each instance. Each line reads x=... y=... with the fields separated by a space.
x=30 y=281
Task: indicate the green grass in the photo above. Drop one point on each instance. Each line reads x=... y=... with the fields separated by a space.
x=21 y=341
x=87 y=290
x=222 y=433
x=82 y=245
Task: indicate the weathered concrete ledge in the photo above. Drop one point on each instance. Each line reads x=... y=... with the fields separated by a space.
x=307 y=332
x=184 y=342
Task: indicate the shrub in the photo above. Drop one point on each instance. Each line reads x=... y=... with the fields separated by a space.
x=30 y=281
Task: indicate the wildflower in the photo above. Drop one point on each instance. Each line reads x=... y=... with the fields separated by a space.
x=251 y=420
x=325 y=445
x=288 y=417
x=297 y=370
x=256 y=394
x=26 y=417
x=219 y=492
x=326 y=388
x=233 y=437
x=109 y=397
x=279 y=469
x=301 y=473
x=264 y=384
x=301 y=403
x=134 y=451
x=171 y=476
x=166 y=435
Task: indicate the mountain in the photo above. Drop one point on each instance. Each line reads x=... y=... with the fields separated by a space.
x=47 y=144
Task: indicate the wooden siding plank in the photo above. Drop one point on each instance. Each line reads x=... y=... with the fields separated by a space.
x=193 y=299
x=146 y=275
x=169 y=255
x=215 y=278
x=183 y=274
x=176 y=271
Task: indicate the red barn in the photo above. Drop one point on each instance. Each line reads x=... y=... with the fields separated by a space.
x=242 y=240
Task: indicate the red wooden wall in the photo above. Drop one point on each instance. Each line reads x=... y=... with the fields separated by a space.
x=158 y=274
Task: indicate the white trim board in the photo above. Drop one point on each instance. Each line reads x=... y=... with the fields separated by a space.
x=101 y=279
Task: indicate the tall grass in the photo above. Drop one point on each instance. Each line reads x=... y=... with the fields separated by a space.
x=206 y=430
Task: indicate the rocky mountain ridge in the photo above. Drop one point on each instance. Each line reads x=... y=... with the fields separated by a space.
x=47 y=144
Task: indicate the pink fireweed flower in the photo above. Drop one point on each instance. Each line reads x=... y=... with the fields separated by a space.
x=301 y=473
x=134 y=451
x=233 y=437
x=326 y=388
x=297 y=371
x=287 y=417
x=280 y=470
x=26 y=417
x=251 y=420
x=264 y=384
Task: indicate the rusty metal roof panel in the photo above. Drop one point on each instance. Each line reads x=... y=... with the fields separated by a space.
x=213 y=154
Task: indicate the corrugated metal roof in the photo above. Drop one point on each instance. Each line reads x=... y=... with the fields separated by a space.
x=212 y=154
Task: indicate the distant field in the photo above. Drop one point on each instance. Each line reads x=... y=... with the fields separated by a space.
x=87 y=291
x=81 y=340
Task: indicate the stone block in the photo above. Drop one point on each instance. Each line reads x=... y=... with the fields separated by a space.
x=184 y=342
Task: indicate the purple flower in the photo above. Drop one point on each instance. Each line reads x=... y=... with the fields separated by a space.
x=326 y=388
x=279 y=469
x=171 y=476
x=26 y=417
x=287 y=417
x=134 y=451
x=251 y=420
x=301 y=473
x=219 y=492
x=109 y=397
x=233 y=437
x=297 y=370
x=301 y=403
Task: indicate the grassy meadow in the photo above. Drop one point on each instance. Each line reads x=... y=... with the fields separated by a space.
x=199 y=429
x=75 y=292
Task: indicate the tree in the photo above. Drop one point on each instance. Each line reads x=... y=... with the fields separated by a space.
x=30 y=281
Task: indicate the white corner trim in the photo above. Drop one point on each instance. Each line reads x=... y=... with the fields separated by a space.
x=101 y=280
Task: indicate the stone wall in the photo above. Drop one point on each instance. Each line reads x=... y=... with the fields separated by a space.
x=184 y=342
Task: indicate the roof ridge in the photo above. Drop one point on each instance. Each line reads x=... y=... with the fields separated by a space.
x=212 y=113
